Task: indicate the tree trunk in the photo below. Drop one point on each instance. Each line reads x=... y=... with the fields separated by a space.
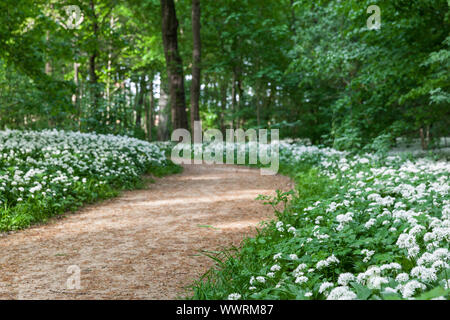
x=267 y=103
x=48 y=65
x=258 y=112
x=48 y=71
x=241 y=99
x=234 y=99
x=149 y=111
x=125 y=104
x=140 y=101
x=163 y=121
x=108 y=75
x=75 y=99
x=93 y=79
x=196 y=61
x=425 y=140
x=223 y=105
x=174 y=64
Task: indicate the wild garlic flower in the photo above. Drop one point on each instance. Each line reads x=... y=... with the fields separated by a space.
x=275 y=267
x=234 y=296
x=345 y=278
x=409 y=289
x=341 y=293
x=325 y=263
x=325 y=286
x=301 y=279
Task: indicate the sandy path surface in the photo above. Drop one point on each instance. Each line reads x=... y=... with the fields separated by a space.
x=144 y=244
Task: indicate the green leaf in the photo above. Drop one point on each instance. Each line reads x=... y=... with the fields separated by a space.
x=434 y=293
x=362 y=292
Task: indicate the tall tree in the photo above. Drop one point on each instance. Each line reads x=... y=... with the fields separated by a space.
x=140 y=100
x=93 y=78
x=196 y=61
x=223 y=104
x=163 y=132
x=149 y=110
x=174 y=64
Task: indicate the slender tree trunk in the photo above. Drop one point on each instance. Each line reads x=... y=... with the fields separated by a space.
x=92 y=69
x=108 y=77
x=163 y=121
x=149 y=111
x=93 y=79
x=196 y=61
x=140 y=102
x=258 y=112
x=48 y=71
x=223 y=105
x=75 y=99
x=75 y=80
x=125 y=104
x=234 y=98
x=48 y=64
x=174 y=64
x=206 y=91
x=425 y=137
x=262 y=102
x=241 y=99
x=260 y=95
x=81 y=97
x=422 y=139
x=267 y=103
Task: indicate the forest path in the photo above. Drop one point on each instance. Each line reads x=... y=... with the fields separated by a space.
x=142 y=245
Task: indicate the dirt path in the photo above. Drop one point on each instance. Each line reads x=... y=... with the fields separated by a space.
x=142 y=245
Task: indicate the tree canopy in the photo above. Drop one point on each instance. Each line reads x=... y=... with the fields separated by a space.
x=312 y=69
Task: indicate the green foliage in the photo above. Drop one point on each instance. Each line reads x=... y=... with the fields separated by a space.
x=343 y=226
x=311 y=69
x=370 y=81
x=48 y=173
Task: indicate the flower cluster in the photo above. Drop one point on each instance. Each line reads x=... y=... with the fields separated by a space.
x=366 y=227
x=50 y=171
